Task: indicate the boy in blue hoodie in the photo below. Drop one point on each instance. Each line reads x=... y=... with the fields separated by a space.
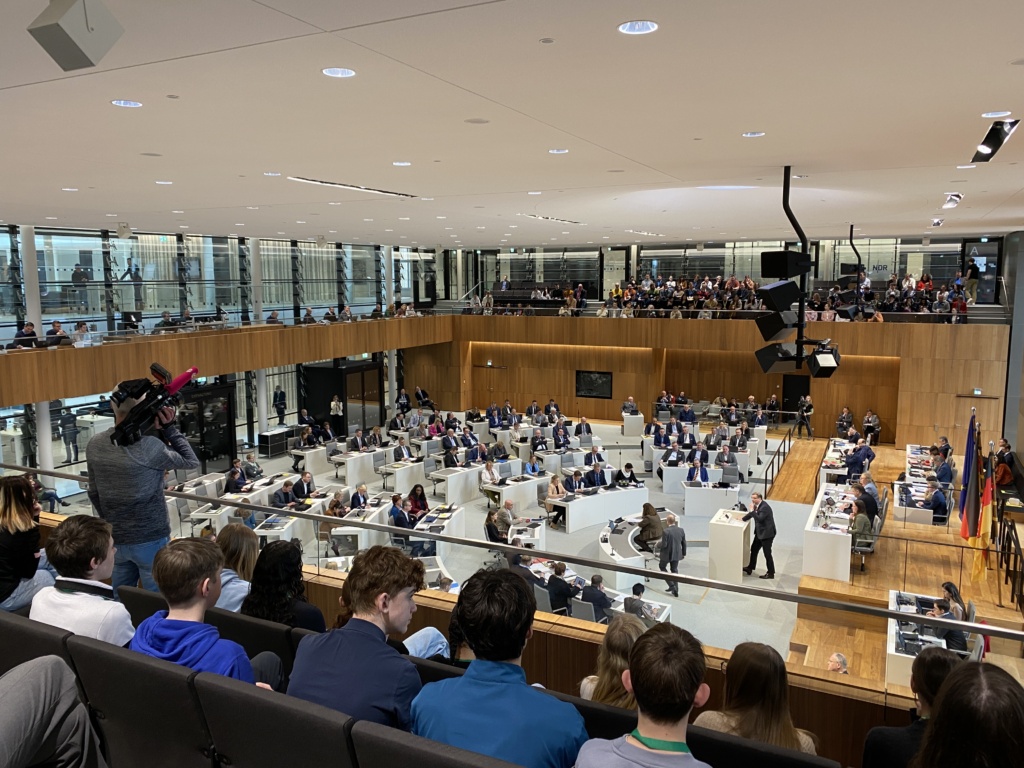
x=187 y=571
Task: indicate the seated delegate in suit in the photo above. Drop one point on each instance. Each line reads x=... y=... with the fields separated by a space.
x=629 y=406
x=698 y=453
x=358 y=442
x=498 y=450
x=305 y=488
x=583 y=428
x=673 y=427
x=449 y=440
x=593 y=456
x=575 y=482
x=468 y=438
x=672 y=454
x=738 y=442
x=451 y=458
x=284 y=497
x=236 y=482
x=359 y=498
x=686 y=439
x=538 y=442
x=402 y=451
x=725 y=458
x=397 y=424
x=494 y=420
x=560 y=592
x=697 y=472
x=561 y=440
x=935 y=500
x=595 y=477
x=687 y=415
x=956 y=639
x=943 y=472
x=661 y=440
x=595 y=595
x=626 y=476
x=652 y=427
x=760 y=419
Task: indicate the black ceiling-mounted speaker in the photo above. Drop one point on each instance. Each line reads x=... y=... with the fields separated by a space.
x=777 y=325
x=822 y=363
x=777 y=358
x=779 y=296
x=76 y=33
x=782 y=264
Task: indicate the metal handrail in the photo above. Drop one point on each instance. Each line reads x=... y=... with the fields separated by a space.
x=780 y=453
x=751 y=591
x=467 y=294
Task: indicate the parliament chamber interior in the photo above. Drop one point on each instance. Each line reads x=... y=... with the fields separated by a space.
x=399 y=351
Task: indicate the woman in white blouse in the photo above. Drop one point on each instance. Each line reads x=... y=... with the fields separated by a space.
x=489 y=476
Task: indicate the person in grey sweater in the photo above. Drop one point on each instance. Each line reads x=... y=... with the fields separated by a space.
x=126 y=486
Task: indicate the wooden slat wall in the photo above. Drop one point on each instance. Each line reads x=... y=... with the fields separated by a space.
x=936 y=367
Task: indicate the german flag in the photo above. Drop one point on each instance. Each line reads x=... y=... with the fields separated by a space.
x=980 y=534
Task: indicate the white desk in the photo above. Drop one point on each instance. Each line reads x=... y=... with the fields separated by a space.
x=742 y=462
x=600 y=507
x=358 y=467
x=524 y=451
x=827 y=550
x=662 y=611
x=575 y=443
x=529 y=533
x=264 y=489
x=315 y=459
x=216 y=518
x=461 y=484
x=351 y=539
x=632 y=424
x=286 y=528
x=212 y=484
x=522 y=493
x=619 y=547
x=407 y=474
x=673 y=478
x=833 y=466
x=728 y=546
x=706 y=500
x=761 y=435
x=446 y=520
x=482 y=430
x=898 y=665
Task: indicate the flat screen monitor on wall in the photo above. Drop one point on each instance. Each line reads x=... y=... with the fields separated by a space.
x=594 y=384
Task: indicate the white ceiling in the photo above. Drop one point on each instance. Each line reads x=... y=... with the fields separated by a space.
x=875 y=102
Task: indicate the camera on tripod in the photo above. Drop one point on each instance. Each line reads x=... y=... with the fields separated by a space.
x=151 y=397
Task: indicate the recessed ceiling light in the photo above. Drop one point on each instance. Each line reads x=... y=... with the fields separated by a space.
x=753 y=134
x=985 y=149
x=126 y=103
x=280 y=233
x=513 y=226
x=51 y=218
x=725 y=187
x=403 y=218
x=508 y=234
x=338 y=72
x=558 y=151
x=69 y=189
x=389 y=230
x=112 y=215
x=477 y=121
x=534 y=193
x=183 y=226
x=401 y=163
x=604 y=237
x=177 y=211
x=332 y=231
x=300 y=222
x=481 y=227
x=165 y=183
x=239 y=225
x=441 y=217
x=449 y=227
x=996 y=114
x=271 y=173
x=637 y=27
x=367 y=219
x=253 y=207
x=426 y=198
x=965 y=167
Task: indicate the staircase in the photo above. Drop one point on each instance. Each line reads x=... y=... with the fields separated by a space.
x=987 y=314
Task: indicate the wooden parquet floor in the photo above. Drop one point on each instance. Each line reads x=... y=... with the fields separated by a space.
x=795 y=482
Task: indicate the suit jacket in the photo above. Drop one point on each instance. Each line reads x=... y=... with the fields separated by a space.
x=506 y=412
x=279 y=399
x=764 y=521
x=469 y=439
x=722 y=460
x=695 y=454
x=450 y=460
x=738 y=443
x=234 y=486
x=307 y=420
x=402 y=452
x=526 y=573
x=560 y=593
x=539 y=443
x=561 y=441
x=589 y=459
x=687 y=417
x=673 y=429
x=689 y=440
x=593 y=479
x=583 y=429
x=396 y=424
x=673 y=544
x=570 y=484
x=358 y=500
x=302 y=491
x=357 y=443
x=422 y=397
x=601 y=602
x=282 y=499
x=448 y=442
x=692 y=474
x=398 y=518
x=494 y=421
x=944 y=474
x=672 y=454
x=893 y=747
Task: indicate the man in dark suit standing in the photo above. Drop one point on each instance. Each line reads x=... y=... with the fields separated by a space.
x=594 y=594
x=402 y=451
x=583 y=428
x=764 y=534
x=279 y=403
x=672 y=550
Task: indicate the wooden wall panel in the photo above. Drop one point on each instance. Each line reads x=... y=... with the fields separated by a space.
x=442 y=370
x=705 y=373
x=860 y=383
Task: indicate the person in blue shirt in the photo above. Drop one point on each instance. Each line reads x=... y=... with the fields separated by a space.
x=491 y=709
x=353 y=669
x=532 y=467
x=188 y=573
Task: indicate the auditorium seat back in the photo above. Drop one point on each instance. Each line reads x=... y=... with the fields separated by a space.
x=255 y=728
x=22 y=639
x=145 y=709
x=254 y=635
x=725 y=751
x=433 y=671
x=141 y=603
x=601 y=720
x=377 y=745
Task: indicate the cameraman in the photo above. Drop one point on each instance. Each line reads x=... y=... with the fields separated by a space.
x=804 y=411
x=126 y=486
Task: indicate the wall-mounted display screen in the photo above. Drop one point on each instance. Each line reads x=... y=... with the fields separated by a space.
x=594 y=384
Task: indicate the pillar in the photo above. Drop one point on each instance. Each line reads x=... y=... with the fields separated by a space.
x=256 y=270
x=34 y=314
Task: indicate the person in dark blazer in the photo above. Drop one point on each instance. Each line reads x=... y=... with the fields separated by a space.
x=870 y=505
x=358 y=442
x=538 y=442
x=402 y=451
x=305 y=488
x=856 y=460
x=593 y=457
x=686 y=440
x=359 y=498
x=764 y=534
x=738 y=442
x=595 y=477
x=279 y=403
x=887 y=747
x=672 y=454
x=935 y=500
x=699 y=453
x=327 y=432
x=583 y=428
x=697 y=472
x=523 y=569
x=661 y=440
x=760 y=419
x=561 y=440
x=673 y=549
x=494 y=419
x=626 y=475
x=687 y=415
x=452 y=422
x=560 y=592
x=397 y=424
x=307 y=421
x=574 y=482
x=284 y=498
x=497 y=451
x=236 y=482
x=943 y=472
x=594 y=594
x=551 y=406
x=673 y=427
x=449 y=441
x=725 y=458
x=469 y=438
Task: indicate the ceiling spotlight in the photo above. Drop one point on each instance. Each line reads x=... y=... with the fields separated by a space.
x=965 y=167
x=558 y=151
x=271 y=173
x=938 y=222
x=753 y=134
x=534 y=193
x=338 y=72
x=995 y=115
x=638 y=27
x=401 y=163
x=126 y=103
x=952 y=200
x=177 y=211
x=998 y=134
x=69 y=189
x=165 y=183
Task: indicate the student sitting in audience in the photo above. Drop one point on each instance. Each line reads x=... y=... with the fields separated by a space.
x=353 y=669
x=896 y=747
x=977 y=720
x=612 y=660
x=187 y=571
x=666 y=677
x=240 y=547
x=24 y=568
x=277 y=592
x=756 y=704
x=498 y=713
x=82 y=550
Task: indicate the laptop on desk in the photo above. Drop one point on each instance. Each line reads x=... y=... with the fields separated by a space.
x=502 y=481
x=672 y=463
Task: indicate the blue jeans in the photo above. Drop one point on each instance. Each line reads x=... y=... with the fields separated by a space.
x=22 y=595
x=134 y=562
x=426 y=643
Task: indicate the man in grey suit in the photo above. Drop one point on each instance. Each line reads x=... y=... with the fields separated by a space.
x=725 y=457
x=672 y=550
x=764 y=534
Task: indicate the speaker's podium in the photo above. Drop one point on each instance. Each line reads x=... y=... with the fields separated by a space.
x=728 y=546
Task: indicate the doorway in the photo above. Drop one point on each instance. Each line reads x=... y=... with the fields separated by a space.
x=207 y=420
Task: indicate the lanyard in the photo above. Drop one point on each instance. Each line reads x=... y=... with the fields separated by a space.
x=658 y=744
